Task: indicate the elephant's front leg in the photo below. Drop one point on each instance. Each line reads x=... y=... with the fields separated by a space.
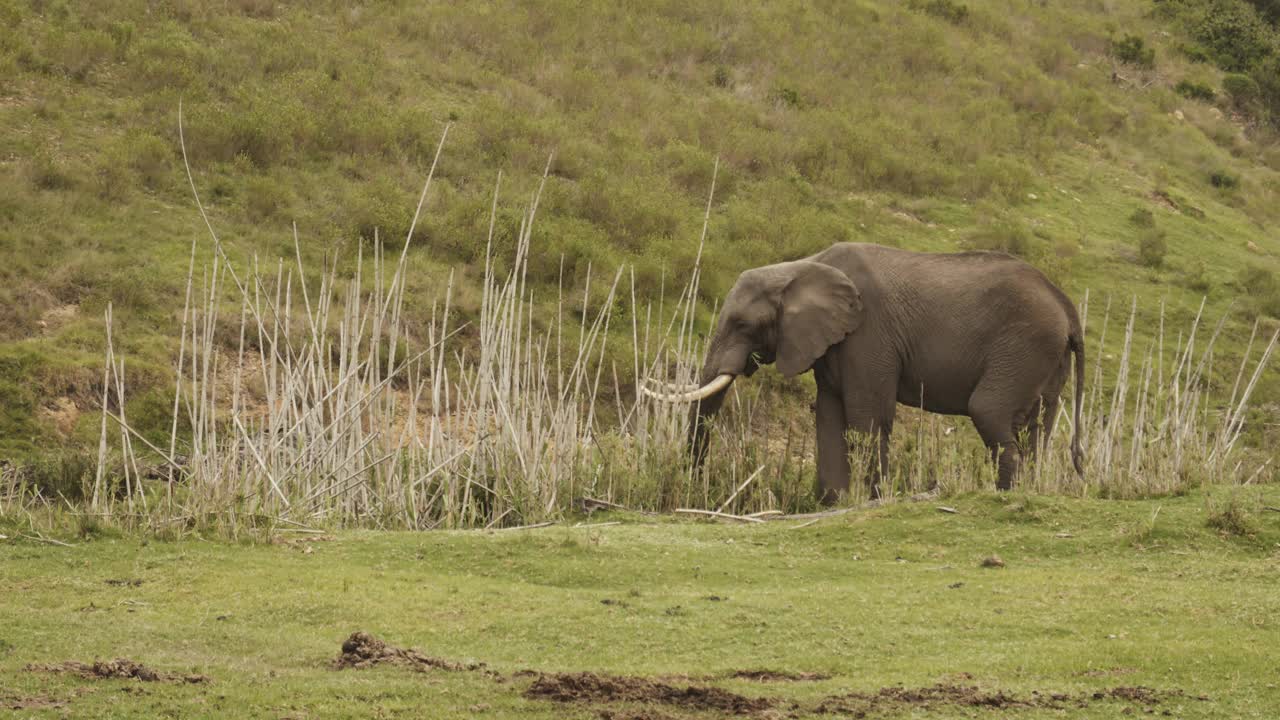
x=833 y=448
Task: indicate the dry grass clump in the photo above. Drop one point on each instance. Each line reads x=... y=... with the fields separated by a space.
x=330 y=410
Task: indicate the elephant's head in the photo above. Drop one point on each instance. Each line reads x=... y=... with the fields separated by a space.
x=788 y=314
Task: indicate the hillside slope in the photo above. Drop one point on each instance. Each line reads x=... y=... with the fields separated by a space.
x=931 y=125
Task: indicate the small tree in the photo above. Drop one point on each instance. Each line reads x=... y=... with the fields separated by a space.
x=1152 y=247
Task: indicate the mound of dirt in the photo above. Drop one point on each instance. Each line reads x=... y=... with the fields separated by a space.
x=777 y=676
x=610 y=714
x=362 y=650
x=587 y=687
x=859 y=704
x=118 y=669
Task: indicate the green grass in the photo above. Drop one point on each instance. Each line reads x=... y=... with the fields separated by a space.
x=918 y=124
x=1095 y=595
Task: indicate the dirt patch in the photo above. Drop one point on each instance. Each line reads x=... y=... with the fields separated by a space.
x=362 y=650
x=610 y=714
x=777 y=676
x=1109 y=672
x=118 y=669
x=62 y=413
x=861 y=704
x=33 y=702
x=888 y=699
x=124 y=582
x=596 y=689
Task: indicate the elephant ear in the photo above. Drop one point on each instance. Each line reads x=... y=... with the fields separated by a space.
x=820 y=306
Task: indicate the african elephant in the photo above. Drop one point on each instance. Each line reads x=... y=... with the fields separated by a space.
x=981 y=334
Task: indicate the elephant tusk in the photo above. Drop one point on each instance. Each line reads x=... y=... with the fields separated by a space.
x=670 y=387
x=719 y=383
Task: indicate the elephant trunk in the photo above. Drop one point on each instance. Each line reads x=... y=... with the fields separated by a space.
x=728 y=357
x=699 y=414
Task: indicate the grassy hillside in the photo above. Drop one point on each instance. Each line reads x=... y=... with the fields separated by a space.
x=1039 y=128
x=1102 y=609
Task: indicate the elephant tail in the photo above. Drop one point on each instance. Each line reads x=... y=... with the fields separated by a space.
x=1075 y=343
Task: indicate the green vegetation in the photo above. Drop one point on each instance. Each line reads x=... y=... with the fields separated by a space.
x=946 y=125
x=1243 y=38
x=1175 y=594
x=1195 y=91
x=1134 y=50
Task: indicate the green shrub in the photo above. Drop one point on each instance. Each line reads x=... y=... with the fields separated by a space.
x=1230 y=517
x=1195 y=91
x=949 y=10
x=1143 y=218
x=1133 y=50
x=1267 y=77
x=1269 y=10
x=1262 y=288
x=1242 y=89
x=787 y=96
x=1233 y=34
x=1197 y=278
x=112 y=177
x=63 y=474
x=265 y=197
x=1002 y=235
x=79 y=53
x=1194 y=53
x=47 y=171
x=1223 y=180
x=1152 y=247
x=151 y=158
x=720 y=77
x=122 y=33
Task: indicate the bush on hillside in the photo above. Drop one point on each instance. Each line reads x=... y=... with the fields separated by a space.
x=1133 y=50
x=1002 y=235
x=1223 y=180
x=1262 y=287
x=1267 y=78
x=1152 y=247
x=1242 y=89
x=1143 y=218
x=949 y=10
x=1233 y=33
x=1195 y=91
x=1269 y=10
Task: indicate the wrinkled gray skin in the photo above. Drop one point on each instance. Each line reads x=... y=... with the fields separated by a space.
x=982 y=334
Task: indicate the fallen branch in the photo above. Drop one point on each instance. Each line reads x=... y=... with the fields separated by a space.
x=43 y=539
x=596 y=525
x=715 y=514
x=804 y=524
x=741 y=487
x=590 y=503
x=945 y=509
x=823 y=514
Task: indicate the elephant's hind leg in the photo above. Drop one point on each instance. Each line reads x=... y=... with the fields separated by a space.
x=1041 y=425
x=997 y=421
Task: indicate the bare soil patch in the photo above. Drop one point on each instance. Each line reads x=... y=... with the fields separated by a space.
x=124 y=582
x=33 y=702
x=777 y=676
x=860 y=705
x=362 y=650
x=118 y=669
x=673 y=697
x=587 y=687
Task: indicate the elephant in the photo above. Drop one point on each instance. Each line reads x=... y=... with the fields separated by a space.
x=979 y=334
